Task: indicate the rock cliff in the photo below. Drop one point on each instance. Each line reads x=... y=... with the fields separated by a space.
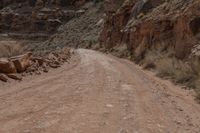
x=157 y=33
x=36 y=16
x=158 y=24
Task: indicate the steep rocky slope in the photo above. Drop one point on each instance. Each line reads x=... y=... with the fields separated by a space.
x=25 y=23
x=161 y=34
x=38 y=17
x=81 y=31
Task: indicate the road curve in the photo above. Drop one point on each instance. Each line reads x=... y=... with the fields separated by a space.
x=97 y=93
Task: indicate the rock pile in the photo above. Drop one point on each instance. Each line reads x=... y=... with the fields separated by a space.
x=22 y=65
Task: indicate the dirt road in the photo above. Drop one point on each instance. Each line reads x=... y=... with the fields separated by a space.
x=97 y=93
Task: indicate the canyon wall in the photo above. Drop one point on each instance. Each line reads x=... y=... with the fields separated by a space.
x=36 y=16
x=33 y=3
x=154 y=24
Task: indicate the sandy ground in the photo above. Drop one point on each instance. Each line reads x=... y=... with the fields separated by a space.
x=97 y=93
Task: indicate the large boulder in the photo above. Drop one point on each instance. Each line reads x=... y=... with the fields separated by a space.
x=7 y=66
x=3 y=77
x=22 y=62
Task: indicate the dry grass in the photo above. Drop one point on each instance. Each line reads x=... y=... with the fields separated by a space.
x=10 y=48
x=167 y=66
x=179 y=71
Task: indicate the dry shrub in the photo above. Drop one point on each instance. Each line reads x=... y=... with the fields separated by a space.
x=10 y=48
x=180 y=73
x=149 y=61
x=167 y=66
x=184 y=73
x=177 y=70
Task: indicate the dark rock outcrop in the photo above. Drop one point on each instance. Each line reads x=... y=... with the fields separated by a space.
x=155 y=24
x=36 y=16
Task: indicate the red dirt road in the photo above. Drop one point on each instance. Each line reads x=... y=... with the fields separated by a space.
x=97 y=93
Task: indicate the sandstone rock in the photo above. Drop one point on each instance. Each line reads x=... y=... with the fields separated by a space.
x=7 y=66
x=14 y=76
x=45 y=70
x=39 y=60
x=52 y=65
x=22 y=62
x=3 y=78
x=40 y=17
x=80 y=12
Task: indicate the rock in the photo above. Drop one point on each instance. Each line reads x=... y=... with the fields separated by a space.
x=80 y=12
x=3 y=78
x=22 y=62
x=45 y=70
x=53 y=65
x=100 y=22
x=39 y=60
x=7 y=66
x=14 y=76
x=38 y=73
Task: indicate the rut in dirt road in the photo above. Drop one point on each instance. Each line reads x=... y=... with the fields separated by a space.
x=97 y=93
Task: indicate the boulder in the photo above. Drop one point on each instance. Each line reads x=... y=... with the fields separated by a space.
x=22 y=62
x=40 y=61
x=3 y=78
x=7 y=66
x=14 y=76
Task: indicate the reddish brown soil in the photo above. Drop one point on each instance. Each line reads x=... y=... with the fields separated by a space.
x=97 y=93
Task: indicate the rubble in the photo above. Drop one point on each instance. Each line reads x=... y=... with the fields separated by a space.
x=21 y=62
x=14 y=76
x=25 y=64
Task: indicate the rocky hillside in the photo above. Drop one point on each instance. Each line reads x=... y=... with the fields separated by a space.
x=162 y=34
x=154 y=24
x=80 y=32
x=39 y=17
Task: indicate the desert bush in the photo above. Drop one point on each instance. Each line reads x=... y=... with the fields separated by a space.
x=165 y=67
x=177 y=70
x=92 y=40
x=149 y=60
x=168 y=66
x=10 y=48
x=184 y=73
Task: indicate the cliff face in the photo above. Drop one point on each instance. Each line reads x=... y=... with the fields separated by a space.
x=33 y=3
x=158 y=34
x=36 y=16
x=156 y=24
